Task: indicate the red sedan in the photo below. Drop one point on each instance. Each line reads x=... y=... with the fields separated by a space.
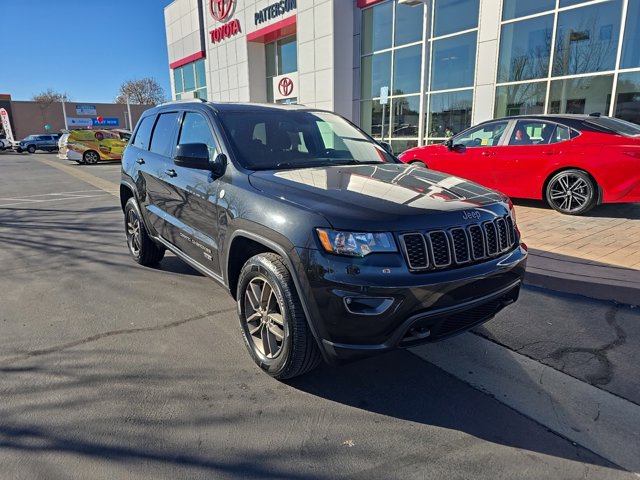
x=574 y=162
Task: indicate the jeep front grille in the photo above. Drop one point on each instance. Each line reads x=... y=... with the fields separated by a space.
x=440 y=249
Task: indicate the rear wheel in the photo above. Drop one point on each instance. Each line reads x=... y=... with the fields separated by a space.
x=31 y=149
x=141 y=247
x=91 y=157
x=272 y=320
x=572 y=192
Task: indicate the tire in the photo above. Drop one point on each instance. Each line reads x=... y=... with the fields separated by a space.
x=141 y=248
x=90 y=157
x=417 y=163
x=280 y=314
x=572 y=192
x=31 y=149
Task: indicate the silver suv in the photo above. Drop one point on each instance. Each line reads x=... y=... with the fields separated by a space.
x=48 y=143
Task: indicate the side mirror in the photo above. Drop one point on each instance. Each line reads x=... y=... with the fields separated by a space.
x=449 y=144
x=219 y=164
x=459 y=148
x=387 y=146
x=192 y=155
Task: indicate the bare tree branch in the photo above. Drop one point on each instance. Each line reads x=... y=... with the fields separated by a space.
x=145 y=91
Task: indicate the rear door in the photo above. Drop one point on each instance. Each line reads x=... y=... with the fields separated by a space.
x=533 y=145
x=474 y=158
x=192 y=205
x=150 y=168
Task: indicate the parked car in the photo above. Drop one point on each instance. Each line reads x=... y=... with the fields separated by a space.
x=45 y=142
x=332 y=247
x=574 y=162
x=92 y=146
x=5 y=144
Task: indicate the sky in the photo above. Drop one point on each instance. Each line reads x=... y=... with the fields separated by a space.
x=85 y=48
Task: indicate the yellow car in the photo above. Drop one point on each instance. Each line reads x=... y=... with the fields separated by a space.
x=92 y=146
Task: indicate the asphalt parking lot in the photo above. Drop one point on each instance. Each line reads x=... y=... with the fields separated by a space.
x=113 y=370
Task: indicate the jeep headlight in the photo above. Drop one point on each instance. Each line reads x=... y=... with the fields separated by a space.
x=355 y=244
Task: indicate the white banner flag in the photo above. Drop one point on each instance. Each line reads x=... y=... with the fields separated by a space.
x=6 y=125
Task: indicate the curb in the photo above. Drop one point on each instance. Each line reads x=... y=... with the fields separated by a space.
x=583 y=277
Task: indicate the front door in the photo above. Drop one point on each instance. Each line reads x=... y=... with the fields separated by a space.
x=472 y=156
x=193 y=198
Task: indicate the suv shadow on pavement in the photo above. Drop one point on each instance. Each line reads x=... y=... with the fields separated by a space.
x=402 y=386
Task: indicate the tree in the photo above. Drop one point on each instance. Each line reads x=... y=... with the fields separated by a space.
x=50 y=96
x=145 y=91
x=46 y=98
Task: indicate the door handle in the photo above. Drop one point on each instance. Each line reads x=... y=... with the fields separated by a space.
x=140 y=161
x=171 y=172
x=487 y=154
x=548 y=152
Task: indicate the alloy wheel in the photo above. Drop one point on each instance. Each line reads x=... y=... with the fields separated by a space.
x=91 y=157
x=570 y=192
x=263 y=317
x=133 y=232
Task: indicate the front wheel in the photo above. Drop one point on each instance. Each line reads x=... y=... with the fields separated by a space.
x=572 y=192
x=142 y=249
x=31 y=149
x=90 y=157
x=273 y=323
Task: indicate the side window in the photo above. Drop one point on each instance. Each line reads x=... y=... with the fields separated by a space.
x=561 y=134
x=163 y=134
x=532 y=132
x=143 y=134
x=195 y=129
x=483 y=136
x=260 y=133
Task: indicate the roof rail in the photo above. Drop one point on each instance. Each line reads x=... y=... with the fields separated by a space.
x=184 y=100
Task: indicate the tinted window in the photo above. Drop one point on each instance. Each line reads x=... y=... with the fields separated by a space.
x=450 y=113
x=631 y=43
x=406 y=70
x=561 y=134
x=408 y=23
x=143 y=134
x=376 y=73
x=287 y=56
x=581 y=95
x=483 y=136
x=161 y=143
x=195 y=129
x=521 y=8
x=587 y=39
x=456 y=16
x=619 y=126
x=520 y=99
x=376 y=27
x=525 y=48
x=532 y=132
x=628 y=97
x=454 y=62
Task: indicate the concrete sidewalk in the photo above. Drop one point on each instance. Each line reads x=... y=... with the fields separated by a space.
x=597 y=255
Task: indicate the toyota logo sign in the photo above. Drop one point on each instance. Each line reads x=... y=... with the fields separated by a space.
x=221 y=9
x=285 y=86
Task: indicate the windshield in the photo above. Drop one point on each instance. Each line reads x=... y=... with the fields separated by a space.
x=619 y=126
x=280 y=139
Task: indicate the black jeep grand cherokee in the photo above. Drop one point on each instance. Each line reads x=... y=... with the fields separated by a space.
x=331 y=247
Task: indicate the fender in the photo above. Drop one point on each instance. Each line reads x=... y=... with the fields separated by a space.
x=304 y=299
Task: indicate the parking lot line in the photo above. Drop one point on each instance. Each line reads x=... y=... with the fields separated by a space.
x=105 y=185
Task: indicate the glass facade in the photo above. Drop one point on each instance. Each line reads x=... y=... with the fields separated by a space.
x=553 y=56
x=573 y=57
x=426 y=55
x=190 y=78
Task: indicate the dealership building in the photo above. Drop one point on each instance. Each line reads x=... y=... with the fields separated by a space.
x=411 y=71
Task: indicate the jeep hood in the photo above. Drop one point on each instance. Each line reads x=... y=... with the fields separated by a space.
x=382 y=197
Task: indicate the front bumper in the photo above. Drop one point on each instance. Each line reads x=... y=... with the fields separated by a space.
x=360 y=307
